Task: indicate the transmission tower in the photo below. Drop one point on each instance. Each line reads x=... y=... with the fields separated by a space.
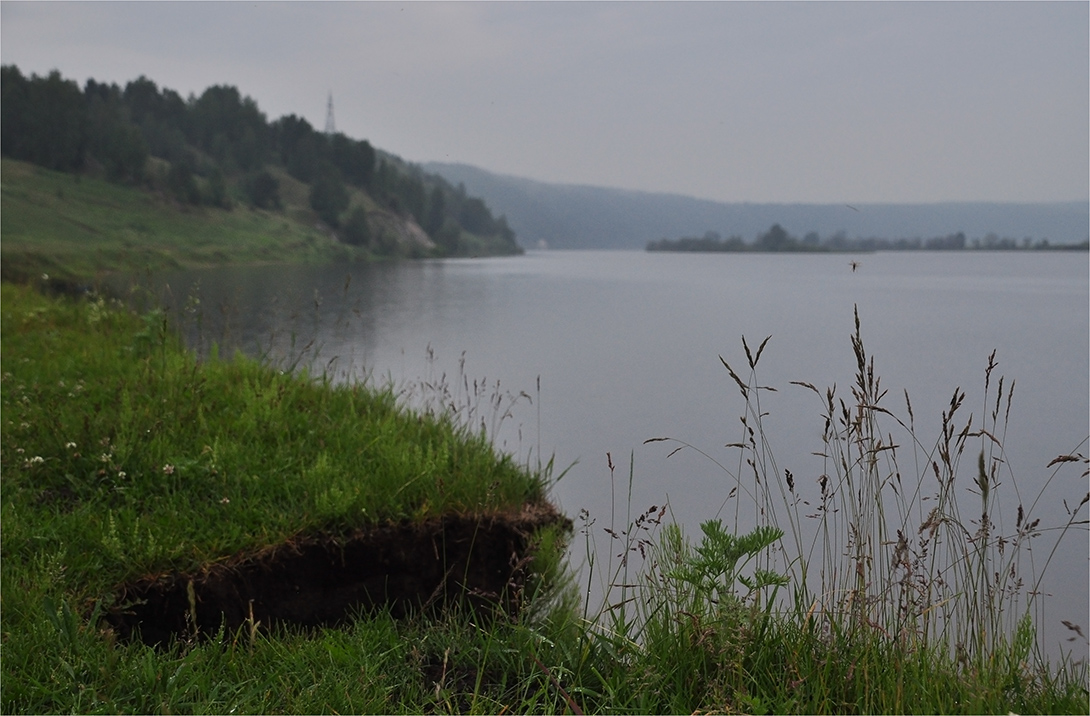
x=330 y=127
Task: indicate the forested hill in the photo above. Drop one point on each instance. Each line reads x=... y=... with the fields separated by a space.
x=584 y=217
x=219 y=150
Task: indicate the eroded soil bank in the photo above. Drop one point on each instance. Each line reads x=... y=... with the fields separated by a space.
x=323 y=580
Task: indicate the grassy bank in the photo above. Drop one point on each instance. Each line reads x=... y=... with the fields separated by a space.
x=124 y=457
x=74 y=228
x=126 y=461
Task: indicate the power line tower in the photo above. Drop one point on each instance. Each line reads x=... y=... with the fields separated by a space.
x=330 y=127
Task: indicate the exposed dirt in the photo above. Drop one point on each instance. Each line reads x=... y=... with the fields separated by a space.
x=319 y=580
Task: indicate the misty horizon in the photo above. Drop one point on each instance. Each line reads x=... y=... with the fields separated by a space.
x=858 y=103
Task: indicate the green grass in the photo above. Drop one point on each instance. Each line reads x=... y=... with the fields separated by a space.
x=124 y=455
x=75 y=227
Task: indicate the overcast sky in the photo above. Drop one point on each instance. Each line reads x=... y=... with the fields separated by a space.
x=793 y=102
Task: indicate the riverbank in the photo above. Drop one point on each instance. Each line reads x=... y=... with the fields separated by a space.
x=75 y=228
x=152 y=498
x=134 y=472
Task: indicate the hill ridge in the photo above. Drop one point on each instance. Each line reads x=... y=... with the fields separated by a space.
x=585 y=216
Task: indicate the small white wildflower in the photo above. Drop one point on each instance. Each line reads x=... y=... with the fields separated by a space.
x=121 y=473
x=104 y=457
x=20 y=450
x=225 y=501
x=45 y=277
x=69 y=445
x=168 y=469
x=37 y=460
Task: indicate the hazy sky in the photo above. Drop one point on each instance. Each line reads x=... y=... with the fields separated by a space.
x=809 y=102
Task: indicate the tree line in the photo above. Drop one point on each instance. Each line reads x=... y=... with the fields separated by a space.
x=775 y=239
x=778 y=239
x=217 y=149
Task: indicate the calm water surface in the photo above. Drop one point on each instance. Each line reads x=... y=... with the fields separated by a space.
x=625 y=346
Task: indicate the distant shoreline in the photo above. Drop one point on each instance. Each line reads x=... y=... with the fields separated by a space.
x=753 y=250
x=777 y=240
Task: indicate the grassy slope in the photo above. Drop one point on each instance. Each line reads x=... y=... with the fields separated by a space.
x=122 y=456
x=77 y=227
x=139 y=440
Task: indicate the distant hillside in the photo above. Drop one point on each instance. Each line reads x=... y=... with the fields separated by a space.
x=584 y=217
x=219 y=152
x=76 y=228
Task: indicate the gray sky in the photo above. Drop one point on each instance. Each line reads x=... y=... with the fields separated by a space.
x=806 y=102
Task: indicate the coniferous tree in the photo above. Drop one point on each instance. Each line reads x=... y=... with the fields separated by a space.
x=45 y=120
x=181 y=182
x=262 y=190
x=328 y=196
x=436 y=211
x=112 y=140
x=356 y=230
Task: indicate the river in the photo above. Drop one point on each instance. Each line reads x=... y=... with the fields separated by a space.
x=595 y=352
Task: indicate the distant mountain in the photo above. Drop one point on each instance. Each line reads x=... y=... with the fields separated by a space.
x=566 y=216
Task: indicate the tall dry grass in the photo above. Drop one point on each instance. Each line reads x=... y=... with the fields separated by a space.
x=927 y=544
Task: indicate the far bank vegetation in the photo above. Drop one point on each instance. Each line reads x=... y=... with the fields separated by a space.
x=777 y=239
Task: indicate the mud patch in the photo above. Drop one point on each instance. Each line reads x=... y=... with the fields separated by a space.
x=320 y=580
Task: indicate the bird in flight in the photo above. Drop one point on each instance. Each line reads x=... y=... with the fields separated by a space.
x=854 y=265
